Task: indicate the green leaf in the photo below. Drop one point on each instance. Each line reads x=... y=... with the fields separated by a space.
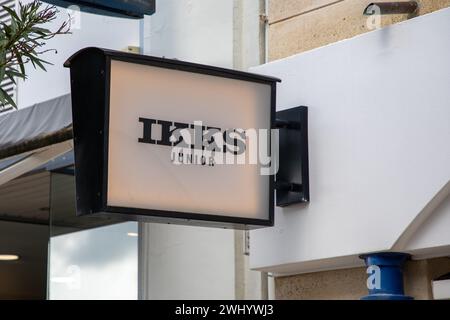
x=39 y=63
x=41 y=30
x=2 y=73
x=22 y=38
x=11 y=12
x=12 y=74
x=14 y=26
x=6 y=99
x=20 y=61
x=2 y=58
x=10 y=77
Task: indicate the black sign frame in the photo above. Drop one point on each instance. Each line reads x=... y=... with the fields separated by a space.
x=90 y=85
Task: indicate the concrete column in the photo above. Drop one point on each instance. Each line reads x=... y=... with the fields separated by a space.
x=248 y=51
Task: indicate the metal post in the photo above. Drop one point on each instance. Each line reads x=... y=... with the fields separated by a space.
x=385 y=281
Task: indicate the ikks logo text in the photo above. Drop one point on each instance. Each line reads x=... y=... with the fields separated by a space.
x=199 y=144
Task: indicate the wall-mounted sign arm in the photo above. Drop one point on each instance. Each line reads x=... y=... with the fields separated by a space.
x=292 y=179
x=287 y=124
x=288 y=186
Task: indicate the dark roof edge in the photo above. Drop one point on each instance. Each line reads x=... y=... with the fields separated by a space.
x=144 y=58
x=37 y=143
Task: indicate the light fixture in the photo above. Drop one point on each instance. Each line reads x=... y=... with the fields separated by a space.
x=9 y=257
x=395 y=7
x=132 y=234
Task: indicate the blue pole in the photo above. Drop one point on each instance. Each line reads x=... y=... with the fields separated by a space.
x=385 y=280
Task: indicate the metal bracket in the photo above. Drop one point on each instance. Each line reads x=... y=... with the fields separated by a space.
x=292 y=179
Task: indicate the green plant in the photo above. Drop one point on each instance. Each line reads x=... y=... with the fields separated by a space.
x=21 y=40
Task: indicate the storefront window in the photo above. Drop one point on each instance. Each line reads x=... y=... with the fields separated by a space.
x=89 y=258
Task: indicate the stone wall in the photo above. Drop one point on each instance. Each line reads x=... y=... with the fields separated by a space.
x=350 y=284
x=300 y=25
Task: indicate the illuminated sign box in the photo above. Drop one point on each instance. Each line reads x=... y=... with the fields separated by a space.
x=143 y=127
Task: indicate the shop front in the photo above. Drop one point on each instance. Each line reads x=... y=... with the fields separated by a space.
x=107 y=193
x=57 y=254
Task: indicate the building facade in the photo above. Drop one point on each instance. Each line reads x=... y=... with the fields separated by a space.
x=331 y=58
x=305 y=35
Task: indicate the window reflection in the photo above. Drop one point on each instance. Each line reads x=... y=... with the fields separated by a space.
x=99 y=263
x=90 y=257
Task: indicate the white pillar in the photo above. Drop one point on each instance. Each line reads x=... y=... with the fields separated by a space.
x=183 y=262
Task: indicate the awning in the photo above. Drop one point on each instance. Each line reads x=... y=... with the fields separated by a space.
x=35 y=142
x=33 y=136
x=33 y=127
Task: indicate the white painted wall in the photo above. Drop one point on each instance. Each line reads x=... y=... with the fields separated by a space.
x=379 y=135
x=197 y=31
x=95 y=30
x=188 y=262
x=433 y=236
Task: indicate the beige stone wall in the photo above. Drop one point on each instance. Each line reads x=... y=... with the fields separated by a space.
x=419 y=274
x=300 y=25
x=327 y=285
x=350 y=284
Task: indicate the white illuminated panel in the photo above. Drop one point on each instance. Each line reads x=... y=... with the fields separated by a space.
x=143 y=176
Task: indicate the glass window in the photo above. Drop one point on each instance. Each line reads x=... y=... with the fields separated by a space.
x=90 y=258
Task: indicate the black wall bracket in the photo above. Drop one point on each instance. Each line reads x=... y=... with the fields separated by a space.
x=292 y=179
